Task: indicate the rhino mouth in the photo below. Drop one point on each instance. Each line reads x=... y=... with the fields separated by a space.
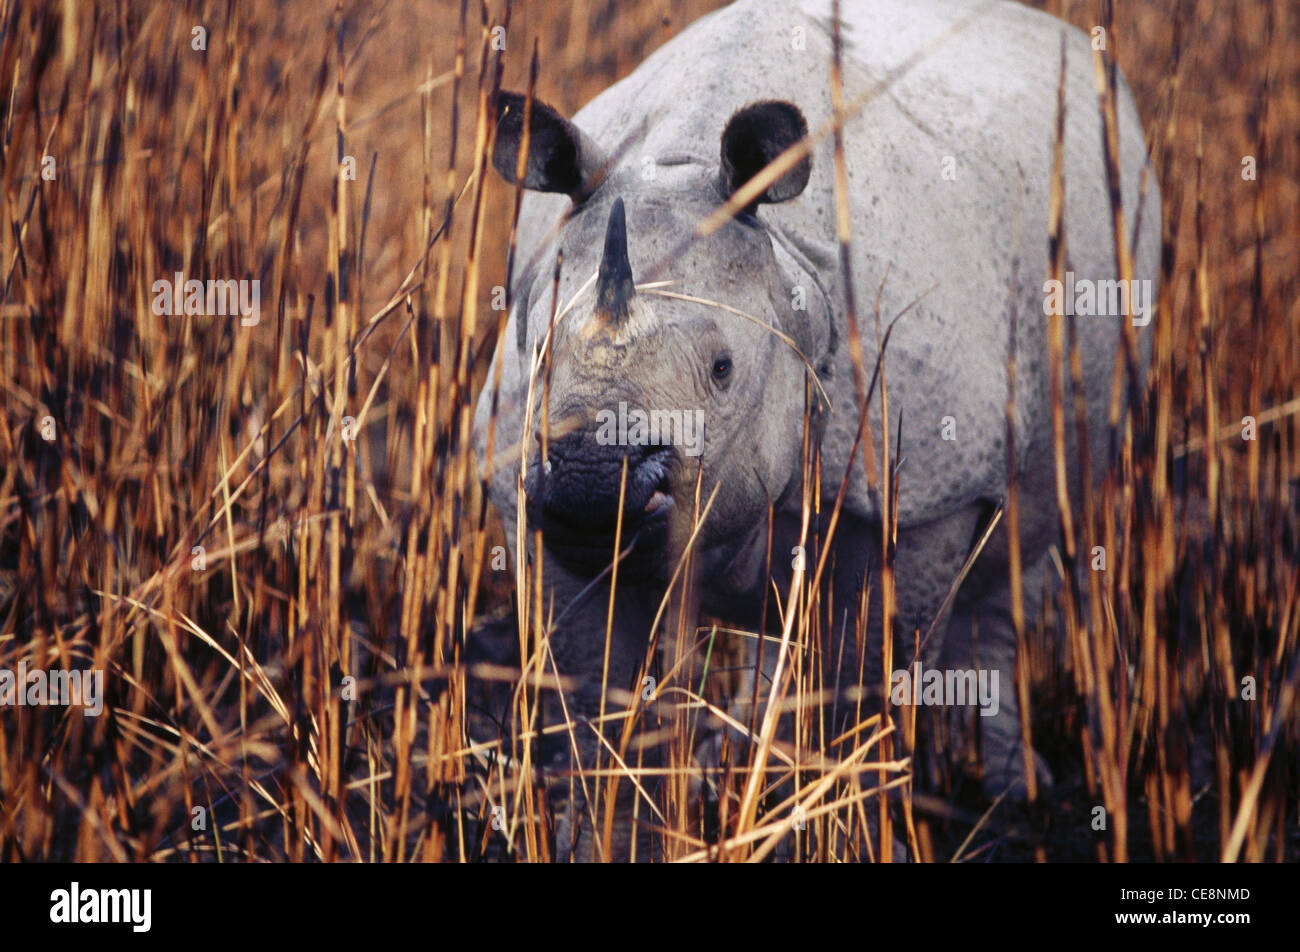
x=576 y=508
x=652 y=473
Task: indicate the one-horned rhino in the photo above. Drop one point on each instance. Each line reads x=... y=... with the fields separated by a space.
x=732 y=340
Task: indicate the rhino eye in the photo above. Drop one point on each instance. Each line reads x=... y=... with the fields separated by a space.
x=721 y=368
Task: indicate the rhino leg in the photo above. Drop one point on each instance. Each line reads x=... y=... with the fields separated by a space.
x=577 y=644
x=845 y=666
x=709 y=755
x=981 y=635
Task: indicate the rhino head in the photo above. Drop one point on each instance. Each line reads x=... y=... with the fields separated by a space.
x=698 y=376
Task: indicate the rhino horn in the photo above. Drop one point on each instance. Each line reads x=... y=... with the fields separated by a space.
x=614 y=286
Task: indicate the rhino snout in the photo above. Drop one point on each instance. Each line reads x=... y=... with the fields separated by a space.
x=573 y=497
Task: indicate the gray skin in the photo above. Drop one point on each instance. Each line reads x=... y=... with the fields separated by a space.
x=672 y=143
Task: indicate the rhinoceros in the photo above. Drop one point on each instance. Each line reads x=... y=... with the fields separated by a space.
x=948 y=147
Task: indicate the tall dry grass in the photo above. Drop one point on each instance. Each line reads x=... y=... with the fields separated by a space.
x=230 y=521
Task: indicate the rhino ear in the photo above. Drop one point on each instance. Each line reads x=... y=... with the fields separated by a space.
x=754 y=137
x=560 y=157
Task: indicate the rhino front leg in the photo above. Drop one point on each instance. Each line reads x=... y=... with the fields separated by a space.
x=981 y=636
x=577 y=645
x=846 y=663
